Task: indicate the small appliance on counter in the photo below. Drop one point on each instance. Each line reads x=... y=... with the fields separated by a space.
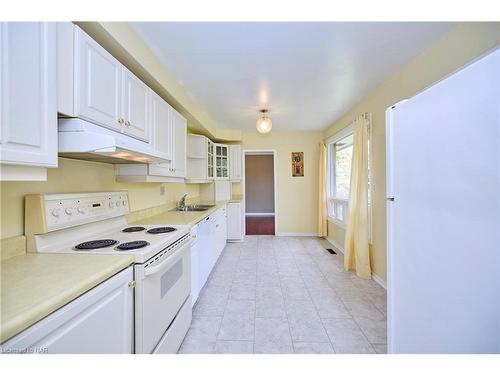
x=95 y=223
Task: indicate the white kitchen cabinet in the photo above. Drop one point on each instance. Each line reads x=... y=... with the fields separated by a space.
x=210 y=160
x=135 y=105
x=161 y=124
x=28 y=101
x=176 y=168
x=98 y=87
x=103 y=90
x=98 y=322
x=179 y=125
x=221 y=158
x=235 y=162
x=170 y=132
x=219 y=230
x=200 y=159
x=235 y=222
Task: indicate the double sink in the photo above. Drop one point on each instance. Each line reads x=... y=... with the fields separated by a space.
x=194 y=207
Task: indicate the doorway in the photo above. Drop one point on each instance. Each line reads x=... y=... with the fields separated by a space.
x=260 y=193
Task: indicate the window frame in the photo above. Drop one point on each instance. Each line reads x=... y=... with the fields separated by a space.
x=334 y=203
x=330 y=190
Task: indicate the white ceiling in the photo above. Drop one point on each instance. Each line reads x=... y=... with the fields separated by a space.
x=307 y=74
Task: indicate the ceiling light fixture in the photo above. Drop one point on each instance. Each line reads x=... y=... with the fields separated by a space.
x=264 y=123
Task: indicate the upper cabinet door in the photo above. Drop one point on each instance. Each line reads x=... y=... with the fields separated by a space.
x=161 y=124
x=221 y=162
x=135 y=106
x=179 y=146
x=98 y=85
x=210 y=159
x=235 y=162
x=28 y=102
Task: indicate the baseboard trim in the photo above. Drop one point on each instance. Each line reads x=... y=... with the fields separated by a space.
x=296 y=234
x=259 y=214
x=375 y=277
x=379 y=280
x=334 y=243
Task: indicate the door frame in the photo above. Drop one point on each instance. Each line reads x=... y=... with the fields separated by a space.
x=274 y=153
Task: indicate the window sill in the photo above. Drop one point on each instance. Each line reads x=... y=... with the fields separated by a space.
x=337 y=222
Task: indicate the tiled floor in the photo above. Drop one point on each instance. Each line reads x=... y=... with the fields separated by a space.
x=286 y=295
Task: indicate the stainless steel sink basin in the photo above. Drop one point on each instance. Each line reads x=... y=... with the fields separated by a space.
x=194 y=207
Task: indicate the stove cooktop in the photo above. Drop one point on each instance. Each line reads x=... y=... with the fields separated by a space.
x=95 y=244
x=140 y=241
x=160 y=230
x=132 y=245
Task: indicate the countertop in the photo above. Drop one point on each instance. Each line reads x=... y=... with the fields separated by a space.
x=186 y=217
x=35 y=285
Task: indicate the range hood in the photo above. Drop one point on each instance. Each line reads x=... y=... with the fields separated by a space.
x=81 y=139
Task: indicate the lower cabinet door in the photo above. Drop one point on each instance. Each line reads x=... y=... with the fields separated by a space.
x=234 y=222
x=98 y=322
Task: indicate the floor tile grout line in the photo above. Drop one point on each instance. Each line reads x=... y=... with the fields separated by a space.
x=353 y=319
x=319 y=315
x=286 y=313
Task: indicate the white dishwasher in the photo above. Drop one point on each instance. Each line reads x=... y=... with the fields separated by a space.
x=195 y=265
x=205 y=250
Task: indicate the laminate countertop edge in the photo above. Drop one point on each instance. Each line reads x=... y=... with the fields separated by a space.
x=35 y=285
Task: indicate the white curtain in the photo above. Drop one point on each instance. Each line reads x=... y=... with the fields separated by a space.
x=357 y=251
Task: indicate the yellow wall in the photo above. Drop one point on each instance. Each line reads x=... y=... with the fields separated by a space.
x=80 y=176
x=297 y=197
x=336 y=235
x=463 y=43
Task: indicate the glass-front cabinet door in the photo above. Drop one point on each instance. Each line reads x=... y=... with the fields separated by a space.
x=221 y=161
x=210 y=159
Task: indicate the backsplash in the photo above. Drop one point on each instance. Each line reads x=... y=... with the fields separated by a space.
x=84 y=176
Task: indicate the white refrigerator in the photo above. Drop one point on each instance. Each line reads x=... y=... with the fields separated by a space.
x=443 y=212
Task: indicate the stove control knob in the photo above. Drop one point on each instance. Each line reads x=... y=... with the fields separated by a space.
x=69 y=211
x=81 y=210
x=56 y=212
x=118 y=204
x=124 y=203
x=111 y=205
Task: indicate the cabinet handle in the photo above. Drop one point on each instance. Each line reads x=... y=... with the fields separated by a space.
x=127 y=123
x=131 y=284
x=120 y=121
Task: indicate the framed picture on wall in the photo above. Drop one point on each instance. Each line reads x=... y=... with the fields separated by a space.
x=297 y=164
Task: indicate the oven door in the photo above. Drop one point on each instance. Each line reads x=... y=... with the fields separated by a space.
x=163 y=286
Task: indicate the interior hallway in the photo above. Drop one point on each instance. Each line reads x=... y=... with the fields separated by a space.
x=259 y=225
x=286 y=295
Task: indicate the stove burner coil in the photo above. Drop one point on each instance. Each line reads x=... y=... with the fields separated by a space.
x=133 y=229
x=96 y=244
x=159 y=230
x=132 y=245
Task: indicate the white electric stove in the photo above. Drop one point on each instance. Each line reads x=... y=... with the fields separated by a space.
x=95 y=223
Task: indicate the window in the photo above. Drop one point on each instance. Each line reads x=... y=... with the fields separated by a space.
x=339 y=176
x=340 y=148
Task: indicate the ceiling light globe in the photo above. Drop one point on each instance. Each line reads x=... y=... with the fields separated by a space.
x=264 y=125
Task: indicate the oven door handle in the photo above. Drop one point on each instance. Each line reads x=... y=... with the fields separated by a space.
x=148 y=271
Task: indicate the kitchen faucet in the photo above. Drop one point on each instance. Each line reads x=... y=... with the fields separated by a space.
x=181 y=205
